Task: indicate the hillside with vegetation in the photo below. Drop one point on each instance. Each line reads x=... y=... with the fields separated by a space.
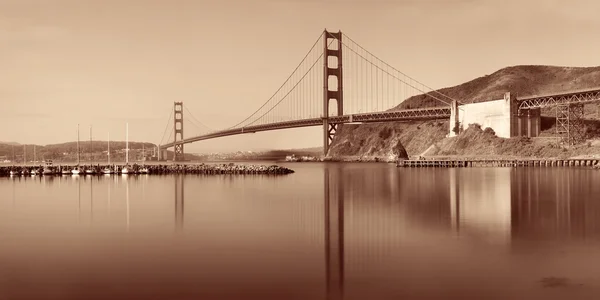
x=377 y=140
x=96 y=150
x=520 y=81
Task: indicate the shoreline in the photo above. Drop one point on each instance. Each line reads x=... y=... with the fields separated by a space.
x=371 y=159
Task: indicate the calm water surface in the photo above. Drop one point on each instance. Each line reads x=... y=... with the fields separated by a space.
x=329 y=231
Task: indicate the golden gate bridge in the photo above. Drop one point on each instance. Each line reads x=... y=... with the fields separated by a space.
x=342 y=82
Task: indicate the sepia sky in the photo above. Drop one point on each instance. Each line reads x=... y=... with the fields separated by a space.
x=108 y=62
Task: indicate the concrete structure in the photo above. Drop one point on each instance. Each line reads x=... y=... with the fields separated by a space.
x=503 y=116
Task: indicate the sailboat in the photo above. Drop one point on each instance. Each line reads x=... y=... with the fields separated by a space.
x=144 y=170
x=12 y=171
x=108 y=170
x=75 y=170
x=125 y=169
x=34 y=171
x=90 y=170
x=25 y=171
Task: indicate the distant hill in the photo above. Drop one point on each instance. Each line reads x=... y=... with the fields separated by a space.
x=261 y=155
x=68 y=151
x=519 y=80
x=9 y=143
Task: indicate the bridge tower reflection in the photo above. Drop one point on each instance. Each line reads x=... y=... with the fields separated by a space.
x=454 y=200
x=562 y=211
x=334 y=232
x=179 y=202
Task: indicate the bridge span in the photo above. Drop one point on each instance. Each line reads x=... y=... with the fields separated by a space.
x=430 y=113
x=359 y=87
x=326 y=89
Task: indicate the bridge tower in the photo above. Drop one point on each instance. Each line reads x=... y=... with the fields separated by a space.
x=330 y=51
x=178 y=154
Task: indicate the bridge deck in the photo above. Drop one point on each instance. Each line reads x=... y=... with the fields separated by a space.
x=431 y=113
x=572 y=97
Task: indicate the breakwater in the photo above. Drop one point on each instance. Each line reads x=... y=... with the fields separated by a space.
x=206 y=169
x=464 y=163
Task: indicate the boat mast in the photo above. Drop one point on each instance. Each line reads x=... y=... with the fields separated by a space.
x=78 y=145
x=127 y=144
x=34 y=154
x=108 y=153
x=24 y=154
x=91 y=146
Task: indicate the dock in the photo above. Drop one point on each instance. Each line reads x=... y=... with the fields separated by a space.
x=466 y=163
x=154 y=169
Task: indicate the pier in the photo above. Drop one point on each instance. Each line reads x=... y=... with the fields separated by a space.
x=206 y=169
x=465 y=163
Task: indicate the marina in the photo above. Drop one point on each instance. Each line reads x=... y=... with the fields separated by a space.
x=208 y=169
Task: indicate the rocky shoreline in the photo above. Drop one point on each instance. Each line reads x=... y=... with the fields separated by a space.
x=206 y=169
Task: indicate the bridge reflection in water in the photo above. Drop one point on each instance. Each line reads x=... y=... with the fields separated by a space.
x=347 y=231
x=376 y=222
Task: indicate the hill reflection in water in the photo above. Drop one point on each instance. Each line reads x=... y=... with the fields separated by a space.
x=329 y=231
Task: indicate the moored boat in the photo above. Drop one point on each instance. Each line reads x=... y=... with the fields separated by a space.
x=125 y=169
x=108 y=170
x=76 y=171
x=48 y=168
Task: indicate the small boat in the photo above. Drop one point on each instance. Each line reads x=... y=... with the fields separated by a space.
x=48 y=168
x=143 y=169
x=91 y=170
x=13 y=173
x=108 y=170
x=24 y=171
x=34 y=172
x=125 y=170
x=65 y=172
x=76 y=170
